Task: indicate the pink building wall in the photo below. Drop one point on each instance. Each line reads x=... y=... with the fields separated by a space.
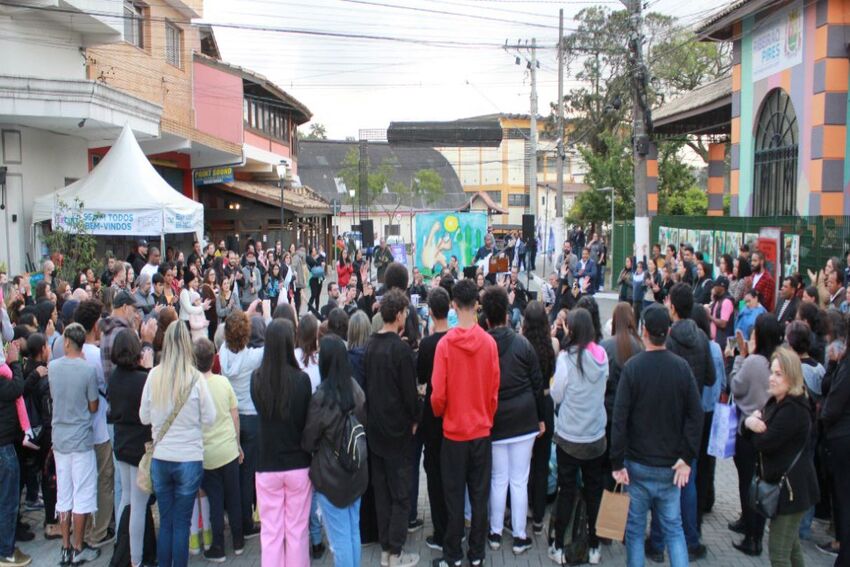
x=218 y=103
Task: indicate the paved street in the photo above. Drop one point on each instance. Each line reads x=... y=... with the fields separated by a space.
x=715 y=536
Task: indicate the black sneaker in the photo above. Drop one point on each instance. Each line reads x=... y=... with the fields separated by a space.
x=65 y=557
x=85 y=554
x=697 y=552
x=415 y=525
x=250 y=532
x=239 y=546
x=23 y=532
x=215 y=554
x=107 y=539
x=441 y=562
x=495 y=541
x=521 y=545
x=476 y=562
x=317 y=551
x=431 y=542
x=537 y=528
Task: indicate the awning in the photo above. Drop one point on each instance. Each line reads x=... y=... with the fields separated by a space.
x=705 y=110
x=301 y=200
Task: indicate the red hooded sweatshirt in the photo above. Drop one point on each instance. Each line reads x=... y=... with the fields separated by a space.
x=465 y=383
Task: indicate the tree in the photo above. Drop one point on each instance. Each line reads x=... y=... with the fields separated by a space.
x=598 y=52
x=385 y=189
x=317 y=132
x=76 y=248
x=611 y=167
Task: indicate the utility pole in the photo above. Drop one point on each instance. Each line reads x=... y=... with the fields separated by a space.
x=363 y=208
x=640 y=119
x=559 y=199
x=532 y=138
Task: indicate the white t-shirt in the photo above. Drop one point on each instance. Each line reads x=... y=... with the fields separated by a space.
x=149 y=269
x=312 y=368
x=92 y=355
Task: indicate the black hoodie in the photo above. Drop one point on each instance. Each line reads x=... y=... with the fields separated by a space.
x=520 y=406
x=689 y=342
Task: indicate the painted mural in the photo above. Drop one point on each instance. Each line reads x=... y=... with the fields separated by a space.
x=441 y=235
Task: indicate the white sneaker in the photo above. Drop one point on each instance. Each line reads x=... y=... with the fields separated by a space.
x=404 y=559
x=385 y=559
x=556 y=555
x=595 y=556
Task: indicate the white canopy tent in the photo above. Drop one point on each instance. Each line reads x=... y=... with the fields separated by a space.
x=123 y=196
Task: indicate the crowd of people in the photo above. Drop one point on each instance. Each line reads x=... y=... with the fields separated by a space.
x=206 y=389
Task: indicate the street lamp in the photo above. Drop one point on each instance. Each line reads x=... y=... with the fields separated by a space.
x=281 y=176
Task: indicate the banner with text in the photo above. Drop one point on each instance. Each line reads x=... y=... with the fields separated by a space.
x=778 y=43
x=111 y=222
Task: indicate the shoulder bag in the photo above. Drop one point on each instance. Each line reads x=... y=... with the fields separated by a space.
x=143 y=476
x=764 y=496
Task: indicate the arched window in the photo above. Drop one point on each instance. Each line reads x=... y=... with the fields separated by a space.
x=775 y=181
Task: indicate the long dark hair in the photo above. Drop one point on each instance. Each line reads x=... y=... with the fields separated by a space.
x=624 y=331
x=335 y=369
x=535 y=328
x=580 y=334
x=768 y=334
x=307 y=338
x=587 y=302
x=271 y=382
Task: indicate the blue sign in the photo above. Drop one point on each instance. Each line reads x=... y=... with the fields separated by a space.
x=399 y=253
x=213 y=175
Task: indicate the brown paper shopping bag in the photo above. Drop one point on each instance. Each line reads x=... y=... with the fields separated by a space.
x=613 y=513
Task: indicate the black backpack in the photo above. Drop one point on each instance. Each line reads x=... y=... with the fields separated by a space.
x=351 y=449
x=576 y=542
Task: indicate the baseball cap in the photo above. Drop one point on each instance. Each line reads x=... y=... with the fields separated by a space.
x=142 y=242
x=656 y=320
x=722 y=281
x=123 y=298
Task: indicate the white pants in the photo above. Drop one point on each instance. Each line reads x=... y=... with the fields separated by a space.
x=76 y=482
x=511 y=463
x=133 y=496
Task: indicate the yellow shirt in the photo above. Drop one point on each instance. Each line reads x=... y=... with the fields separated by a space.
x=220 y=443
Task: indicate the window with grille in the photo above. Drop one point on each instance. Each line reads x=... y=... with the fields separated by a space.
x=134 y=22
x=776 y=150
x=496 y=196
x=173 y=42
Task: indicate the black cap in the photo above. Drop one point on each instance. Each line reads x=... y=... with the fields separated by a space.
x=123 y=298
x=722 y=281
x=142 y=242
x=656 y=320
x=21 y=332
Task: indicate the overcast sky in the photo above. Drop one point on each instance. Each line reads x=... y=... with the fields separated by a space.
x=446 y=66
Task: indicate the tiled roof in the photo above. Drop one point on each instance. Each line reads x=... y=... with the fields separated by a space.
x=714 y=92
x=299 y=199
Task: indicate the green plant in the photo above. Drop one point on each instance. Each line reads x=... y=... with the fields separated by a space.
x=77 y=249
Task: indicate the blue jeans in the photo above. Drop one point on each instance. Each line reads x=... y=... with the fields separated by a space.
x=516 y=315
x=10 y=496
x=176 y=487
x=652 y=488
x=343 y=527
x=315 y=522
x=689 y=515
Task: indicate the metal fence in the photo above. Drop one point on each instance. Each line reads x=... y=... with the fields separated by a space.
x=820 y=237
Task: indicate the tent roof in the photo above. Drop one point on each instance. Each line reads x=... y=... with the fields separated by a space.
x=124 y=180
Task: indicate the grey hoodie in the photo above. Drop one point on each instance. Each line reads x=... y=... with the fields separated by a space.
x=581 y=416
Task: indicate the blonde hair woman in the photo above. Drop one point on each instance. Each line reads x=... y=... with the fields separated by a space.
x=175 y=392
x=781 y=434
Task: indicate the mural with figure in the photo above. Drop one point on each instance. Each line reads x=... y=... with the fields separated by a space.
x=441 y=235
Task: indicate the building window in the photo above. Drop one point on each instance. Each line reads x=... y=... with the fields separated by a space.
x=267 y=117
x=776 y=150
x=173 y=45
x=496 y=196
x=518 y=200
x=134 y=24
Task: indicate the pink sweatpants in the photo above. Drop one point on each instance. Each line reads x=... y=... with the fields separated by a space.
x=284 y=502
